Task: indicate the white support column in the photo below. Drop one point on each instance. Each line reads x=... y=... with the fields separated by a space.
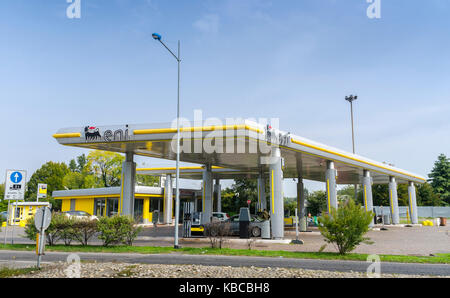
x=330 y=180
x=367 y=193
x=412 y=203
x=393 y=198
x=301 y=196
x=207 y=195
x=128 y=185
x=168 y=200
x=276 y=194
x=301 y=204
x=217 y=190
x=262 y=200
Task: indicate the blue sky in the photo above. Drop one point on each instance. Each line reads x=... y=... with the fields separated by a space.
x=294 y=60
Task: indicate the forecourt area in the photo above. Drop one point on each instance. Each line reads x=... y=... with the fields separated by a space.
x=244 y=148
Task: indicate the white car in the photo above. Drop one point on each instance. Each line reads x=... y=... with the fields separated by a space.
x=220 y=216
x=80 y=215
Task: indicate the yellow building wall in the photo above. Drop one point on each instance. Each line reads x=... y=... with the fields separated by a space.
x=65 y=206
x=86 y=205
x=25 y=213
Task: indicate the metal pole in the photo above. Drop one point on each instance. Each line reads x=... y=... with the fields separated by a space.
x=296 y=225
x=177 y=195
x=41 y=239
x=7 y=220
x=353 y=144
x=12 y=226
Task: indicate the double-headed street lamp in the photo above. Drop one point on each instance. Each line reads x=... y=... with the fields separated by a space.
x=157 y=37
x=350 y=99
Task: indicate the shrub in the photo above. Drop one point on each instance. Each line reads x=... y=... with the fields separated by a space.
x=84 y=229
x=216 y=232
x=64 y=228
x=117 y=229
x=52 y=233
x=346 y=226
x=30 y=229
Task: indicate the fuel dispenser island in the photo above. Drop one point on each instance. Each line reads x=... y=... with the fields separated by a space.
x=188 y=217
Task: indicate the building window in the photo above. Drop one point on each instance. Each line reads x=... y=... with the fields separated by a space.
x=99 y=207
x=112 y=207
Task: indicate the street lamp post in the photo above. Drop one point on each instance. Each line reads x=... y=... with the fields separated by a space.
x=177 y=192
x=350 y=99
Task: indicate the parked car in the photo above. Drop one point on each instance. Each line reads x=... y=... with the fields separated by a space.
x=80 y=215
x=221 y=216
x=255 y=225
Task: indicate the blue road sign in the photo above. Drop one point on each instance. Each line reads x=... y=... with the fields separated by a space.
x=16 y=177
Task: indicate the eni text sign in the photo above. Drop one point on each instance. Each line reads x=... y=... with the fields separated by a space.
x=15 y=184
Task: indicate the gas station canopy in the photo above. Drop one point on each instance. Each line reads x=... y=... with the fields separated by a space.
x=240 y=148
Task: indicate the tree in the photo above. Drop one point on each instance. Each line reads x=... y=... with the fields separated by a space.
x=380 y=195
x=345 y=227
x=75 y=180
x=3 y=203
x=106 y=167
x=52 y=174
x=236 y=197
x=440 y=178
x=426 y=196
x=147 y=180
x=317 y=202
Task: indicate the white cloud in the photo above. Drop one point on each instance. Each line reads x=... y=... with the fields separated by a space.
x=208 y=23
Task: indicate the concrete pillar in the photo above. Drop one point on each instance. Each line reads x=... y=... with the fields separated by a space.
x=207 y=195
x=276 y=194
x=168 y=200
x=218 y=192
x=301 y=205
x=301 y=208
x=262 y=200
x=330 y=180
x=367 y=193
x=195 y=203
x=412 y=203
x=128 y=185
x=393 y=201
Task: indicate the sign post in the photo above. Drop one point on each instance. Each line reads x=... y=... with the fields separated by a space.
x=14 y=190
x=42 y=220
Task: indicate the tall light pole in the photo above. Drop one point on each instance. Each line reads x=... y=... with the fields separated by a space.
x=157 y=37
x=351 y=99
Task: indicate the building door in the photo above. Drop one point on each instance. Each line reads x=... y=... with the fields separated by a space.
x=99 y=207
x=138 y=209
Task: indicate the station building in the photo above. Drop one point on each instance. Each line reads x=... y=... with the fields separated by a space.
x=20 y=212
x=105 y=201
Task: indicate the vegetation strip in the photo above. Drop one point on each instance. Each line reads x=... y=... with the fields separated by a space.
x=6 y=272
x=436 y=259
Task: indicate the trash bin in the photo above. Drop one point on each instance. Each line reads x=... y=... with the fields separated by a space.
x=387 y=219
x=244 y=223
x=265 y=229
x=443 y=221
x=437 y=221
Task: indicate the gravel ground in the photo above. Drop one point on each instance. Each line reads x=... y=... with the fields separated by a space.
x=118 y=270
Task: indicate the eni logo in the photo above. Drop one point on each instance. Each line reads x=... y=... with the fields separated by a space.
x=92 y=133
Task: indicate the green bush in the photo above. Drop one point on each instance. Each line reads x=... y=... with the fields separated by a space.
x=117 y=229
x=52 y=233
x=346 y=226
x=84 y=229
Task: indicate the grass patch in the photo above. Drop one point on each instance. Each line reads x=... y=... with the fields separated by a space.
x=6 y=272
x=437 y=259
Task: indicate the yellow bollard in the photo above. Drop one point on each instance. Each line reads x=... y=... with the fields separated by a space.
x=37 y=243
